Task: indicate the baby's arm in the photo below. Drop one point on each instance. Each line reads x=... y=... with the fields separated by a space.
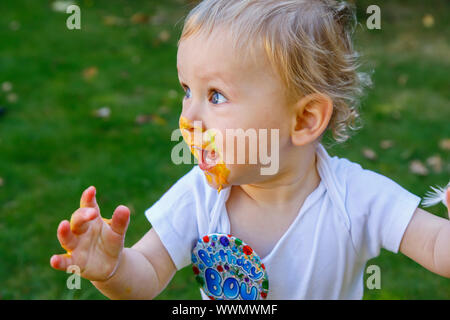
x=143 y=272
x=427 y=241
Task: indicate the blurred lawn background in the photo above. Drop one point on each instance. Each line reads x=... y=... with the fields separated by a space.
x=97 y=106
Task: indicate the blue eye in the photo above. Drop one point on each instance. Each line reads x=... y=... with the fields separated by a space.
x=188 y=93
x=218 y=98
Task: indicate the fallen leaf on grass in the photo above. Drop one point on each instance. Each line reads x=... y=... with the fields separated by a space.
x=428 y=20
x=6 y=86
x=113 y=21
x=444 y=144
x=369 y=153
x=164 y=36
x=386 y=144
x=12 y=98
x=90 y=73
x=61 y=6
x=435 y=162
x=2 y=182
x=140 y=18
x=104 y=112
x=417 y=167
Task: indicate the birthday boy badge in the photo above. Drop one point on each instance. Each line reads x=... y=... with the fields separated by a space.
x=227 y=268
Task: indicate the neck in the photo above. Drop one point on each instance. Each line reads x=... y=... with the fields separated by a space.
x=290 y=186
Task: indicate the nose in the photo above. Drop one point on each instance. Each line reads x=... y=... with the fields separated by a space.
x=191 y=120
x=191 y=126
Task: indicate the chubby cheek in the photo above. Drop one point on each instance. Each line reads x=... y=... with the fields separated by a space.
x=256 y=161
x=226 y=173
x=242 y=162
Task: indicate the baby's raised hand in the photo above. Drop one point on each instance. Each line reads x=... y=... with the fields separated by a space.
x=92 y=243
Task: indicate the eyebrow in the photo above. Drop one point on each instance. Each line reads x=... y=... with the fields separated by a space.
x=212 y=76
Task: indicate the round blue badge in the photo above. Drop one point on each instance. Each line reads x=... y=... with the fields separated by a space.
x=228 y=269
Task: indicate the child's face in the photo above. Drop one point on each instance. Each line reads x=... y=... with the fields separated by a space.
x=226 y=91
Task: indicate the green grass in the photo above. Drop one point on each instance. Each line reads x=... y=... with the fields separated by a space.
x=52 y=147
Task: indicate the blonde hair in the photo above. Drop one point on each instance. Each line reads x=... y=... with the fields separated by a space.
x=307 y=42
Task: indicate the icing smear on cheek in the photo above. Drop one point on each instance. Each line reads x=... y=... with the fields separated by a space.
x=207 y=155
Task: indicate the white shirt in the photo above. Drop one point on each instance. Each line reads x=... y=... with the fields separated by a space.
x=342 y=224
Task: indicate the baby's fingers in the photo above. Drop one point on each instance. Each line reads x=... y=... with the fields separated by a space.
x=61 y=261
x=120 y=219
x=78 y=222
x=66 y=237
x=88 y=199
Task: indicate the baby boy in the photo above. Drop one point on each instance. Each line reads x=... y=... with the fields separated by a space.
x=262 y=65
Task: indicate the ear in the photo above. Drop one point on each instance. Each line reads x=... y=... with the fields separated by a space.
x=311 y=116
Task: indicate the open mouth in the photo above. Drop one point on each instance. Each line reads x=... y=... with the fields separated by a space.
x=207 y=159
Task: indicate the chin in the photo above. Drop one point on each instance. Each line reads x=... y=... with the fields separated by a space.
x=218 y=176
x=222 y=177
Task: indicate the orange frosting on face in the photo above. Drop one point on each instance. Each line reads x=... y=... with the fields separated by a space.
x=220 y=172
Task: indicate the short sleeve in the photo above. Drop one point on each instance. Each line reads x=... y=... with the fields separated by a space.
x=379 y=210
x=175 y=217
